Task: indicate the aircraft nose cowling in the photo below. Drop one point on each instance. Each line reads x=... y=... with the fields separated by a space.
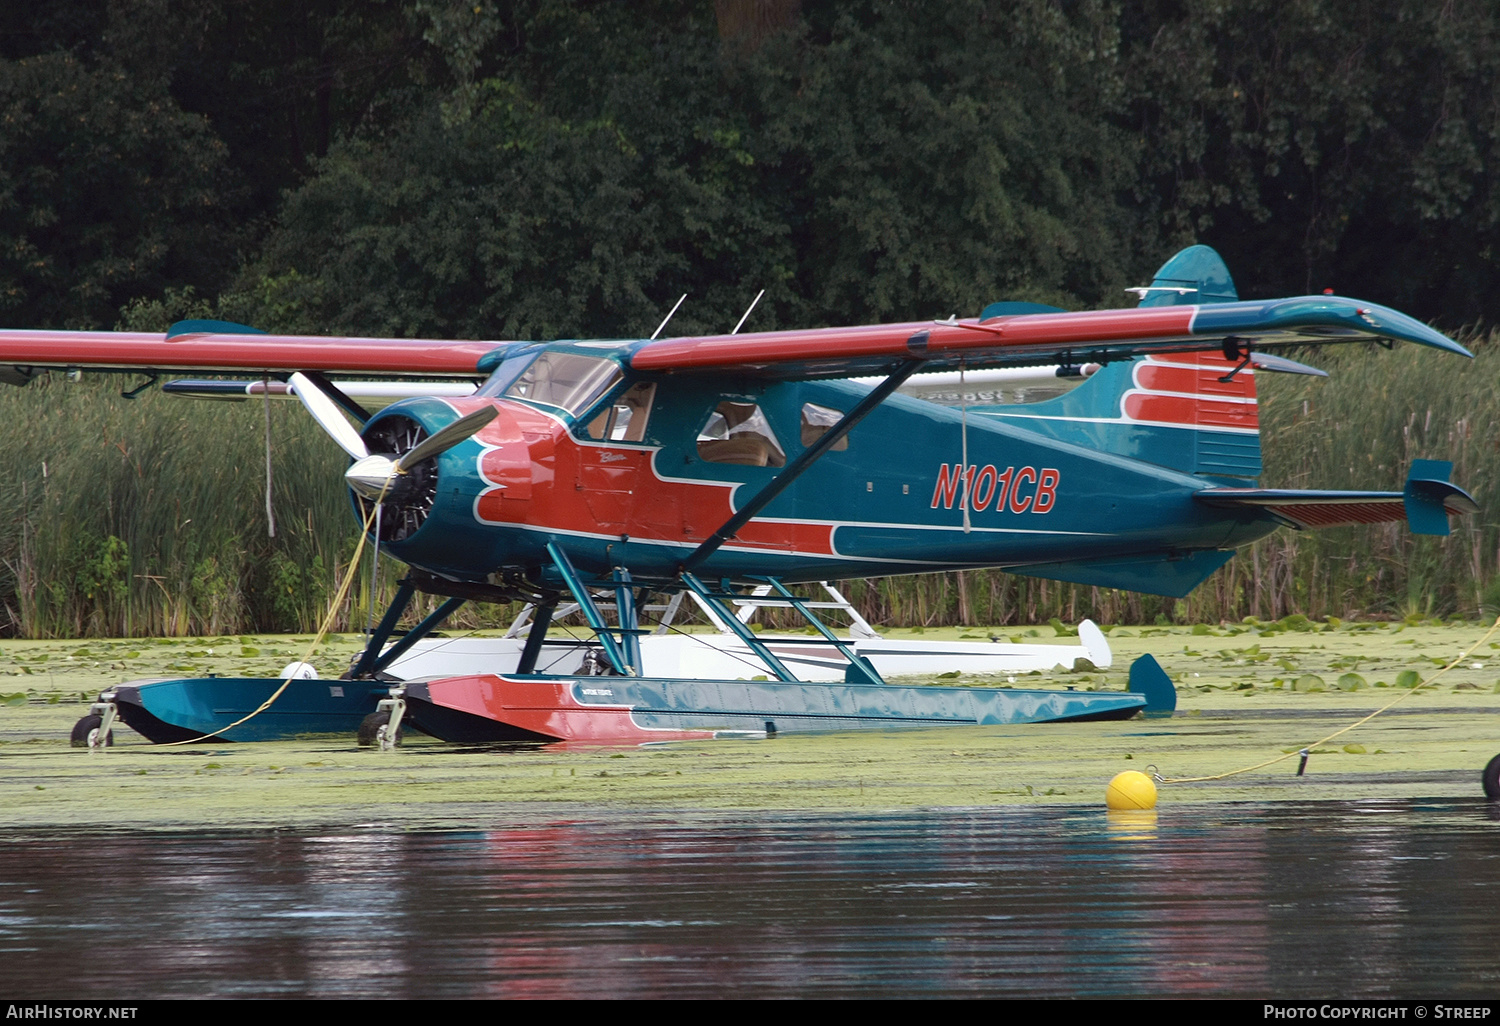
x=406 y=499
x=426 y=460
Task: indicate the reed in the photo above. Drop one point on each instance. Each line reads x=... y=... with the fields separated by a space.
x=147 y=516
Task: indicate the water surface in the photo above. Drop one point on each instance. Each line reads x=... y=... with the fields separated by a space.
x=1318 y=900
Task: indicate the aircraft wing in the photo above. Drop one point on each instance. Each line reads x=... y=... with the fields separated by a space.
x=1089 y=336
x=225 y=352
x=1022 y=340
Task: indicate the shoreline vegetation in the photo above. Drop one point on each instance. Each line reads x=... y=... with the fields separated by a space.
x=566 y=169
x=1243 y=697
x=145 y=517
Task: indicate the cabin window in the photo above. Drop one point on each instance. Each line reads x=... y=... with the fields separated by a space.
x=740 y=433
x=817 y=421
x=624 y=420
x=568 y=380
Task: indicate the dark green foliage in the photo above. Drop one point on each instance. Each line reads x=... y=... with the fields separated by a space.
x=908 y=167
x=1322 y=144
x=107 y=191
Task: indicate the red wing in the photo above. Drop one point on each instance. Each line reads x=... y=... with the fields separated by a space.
x=256 y=354
x=1041 y=338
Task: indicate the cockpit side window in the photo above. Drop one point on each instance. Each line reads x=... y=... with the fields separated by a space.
x=568 y=380
x=816 y=422
x=624 y=420
x=739 y=433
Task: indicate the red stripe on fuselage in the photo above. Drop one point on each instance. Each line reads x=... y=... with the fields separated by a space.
x=1190 y=412
x=554 y=481
x=1159 y=377
x=1168 y=392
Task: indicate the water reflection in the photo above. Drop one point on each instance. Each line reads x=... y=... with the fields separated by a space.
x=1318 y=900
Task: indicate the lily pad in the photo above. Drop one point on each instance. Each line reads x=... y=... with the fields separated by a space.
x=1309 y=682
x=1352 y=682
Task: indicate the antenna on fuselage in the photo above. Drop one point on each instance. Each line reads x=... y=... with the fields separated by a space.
x=667 y=318
x=745 y=318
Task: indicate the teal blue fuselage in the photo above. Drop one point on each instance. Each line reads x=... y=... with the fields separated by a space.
x=1073 y=488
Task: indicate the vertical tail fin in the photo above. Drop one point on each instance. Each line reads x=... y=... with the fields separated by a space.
x=1174 y=410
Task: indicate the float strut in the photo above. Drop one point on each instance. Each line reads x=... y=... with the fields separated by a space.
x=383 y=630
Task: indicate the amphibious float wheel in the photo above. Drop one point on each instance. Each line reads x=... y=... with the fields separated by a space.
x=1492 y=778
x=87 y=729
x=373 y=728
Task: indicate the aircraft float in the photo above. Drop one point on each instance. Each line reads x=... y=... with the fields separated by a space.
x=715 y=465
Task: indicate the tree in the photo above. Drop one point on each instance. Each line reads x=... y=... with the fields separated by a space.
x=590 y=163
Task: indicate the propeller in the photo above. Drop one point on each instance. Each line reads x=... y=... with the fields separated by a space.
x=373 y=473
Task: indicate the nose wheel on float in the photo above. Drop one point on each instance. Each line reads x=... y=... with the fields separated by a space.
x=382 y=728
x=1492 y=778
x=96 y=730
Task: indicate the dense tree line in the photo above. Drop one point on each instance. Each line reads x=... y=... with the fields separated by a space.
x=550 y=168
x=561 y=168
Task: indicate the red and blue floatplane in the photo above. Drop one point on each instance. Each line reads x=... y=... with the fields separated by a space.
x=605 y=472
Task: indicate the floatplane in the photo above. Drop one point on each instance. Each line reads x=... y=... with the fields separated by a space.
x=739 y=468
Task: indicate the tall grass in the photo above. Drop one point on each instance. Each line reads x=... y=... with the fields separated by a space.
x=147 y=516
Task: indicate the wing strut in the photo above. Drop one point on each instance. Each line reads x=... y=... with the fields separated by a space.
x=335 y=393
x=779 y=483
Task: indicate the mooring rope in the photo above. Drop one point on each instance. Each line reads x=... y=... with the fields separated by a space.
x=1306 y=749
x=333 y=608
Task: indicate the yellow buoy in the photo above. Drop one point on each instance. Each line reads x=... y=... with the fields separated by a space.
x=1131 y=790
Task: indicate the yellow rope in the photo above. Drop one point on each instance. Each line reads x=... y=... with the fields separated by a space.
x=1287 y=755
x=333 y=608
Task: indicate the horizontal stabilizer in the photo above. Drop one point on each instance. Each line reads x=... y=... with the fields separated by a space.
x=1280 y=364
x=1426 y=504
x=1174 y=575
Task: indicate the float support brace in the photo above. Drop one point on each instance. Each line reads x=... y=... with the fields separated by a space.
x=417 y=633
x=541 y=619
x=590 y=611
x=383 y=630
x=727 y=617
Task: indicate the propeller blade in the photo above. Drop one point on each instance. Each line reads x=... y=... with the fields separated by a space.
x=447 y=438
x=326 y=412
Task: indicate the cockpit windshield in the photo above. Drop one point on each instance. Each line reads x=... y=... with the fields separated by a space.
x=517 y=359
x=568 y=380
